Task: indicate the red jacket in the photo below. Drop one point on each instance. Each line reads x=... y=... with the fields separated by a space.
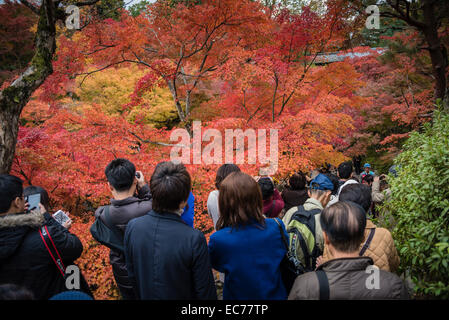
x=274 y=206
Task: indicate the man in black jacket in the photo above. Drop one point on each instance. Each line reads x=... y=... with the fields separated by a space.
x=167 y=259
x=24 y=259
x=124 y=181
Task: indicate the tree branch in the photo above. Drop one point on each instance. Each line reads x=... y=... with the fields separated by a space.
x=30 y=6
x=158 y=143
x=86 y=3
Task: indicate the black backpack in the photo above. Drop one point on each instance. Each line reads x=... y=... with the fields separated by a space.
x=111 y=237
x=302 y=238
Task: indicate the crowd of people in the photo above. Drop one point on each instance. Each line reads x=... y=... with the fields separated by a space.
x=313 y=240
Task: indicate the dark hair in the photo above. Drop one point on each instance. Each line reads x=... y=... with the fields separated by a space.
x=14 y=292
x=344 y=223
x=297 y=181
x=223 y=172
x=345 y=170
x=357 y=193
x=240 y=201
x=266 y=187
x=45 y=199
x=383 y=184
x=170 y=185
x=368 y=178
x=11 y=188
x=324 y=168
x=120 y=174
x=335 y=181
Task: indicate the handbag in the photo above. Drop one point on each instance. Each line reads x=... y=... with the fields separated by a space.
x=290 y=267
x=111 y=237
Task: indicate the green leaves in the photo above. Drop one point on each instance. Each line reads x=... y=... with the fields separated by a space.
x=420 y=208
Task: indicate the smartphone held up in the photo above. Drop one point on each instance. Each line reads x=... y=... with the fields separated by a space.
x=33 y=201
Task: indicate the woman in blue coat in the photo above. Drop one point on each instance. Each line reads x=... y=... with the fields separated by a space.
x=247 y=248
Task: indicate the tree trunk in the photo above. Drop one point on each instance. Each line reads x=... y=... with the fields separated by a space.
x=17 y=95
x=437 y=51
x=274 y=98
x=176 y=101
x=182 y=116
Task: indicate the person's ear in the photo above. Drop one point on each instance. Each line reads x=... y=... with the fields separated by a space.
x=309 y=193
x=183 y=205
x=18 y=204
x=17 y=201
x=111 y=188
x=326 y=239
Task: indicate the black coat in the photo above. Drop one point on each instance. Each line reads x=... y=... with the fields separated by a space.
x=120 y=213
x=294 y=198
x=24 y=259
x=167 y=259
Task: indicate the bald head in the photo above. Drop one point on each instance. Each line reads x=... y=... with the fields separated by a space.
x=344 y=224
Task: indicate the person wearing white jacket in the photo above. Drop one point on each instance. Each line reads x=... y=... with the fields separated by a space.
x=344 y=173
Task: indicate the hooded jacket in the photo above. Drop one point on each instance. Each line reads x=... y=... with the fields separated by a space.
x=273 y=207
x=24 y=259
x=334 y=199
x=348 y=278
x=120 y=213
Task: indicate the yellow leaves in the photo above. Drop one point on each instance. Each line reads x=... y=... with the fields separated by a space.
x=158 y=109
x=110 y=88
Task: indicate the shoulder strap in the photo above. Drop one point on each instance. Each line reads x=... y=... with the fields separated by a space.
x=323 y=282
x=284 y=240
x=368 y=242
x=300 y=209
x=306 y=217
x=51 y=248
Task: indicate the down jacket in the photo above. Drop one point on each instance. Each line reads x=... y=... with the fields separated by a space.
x=382 y=249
